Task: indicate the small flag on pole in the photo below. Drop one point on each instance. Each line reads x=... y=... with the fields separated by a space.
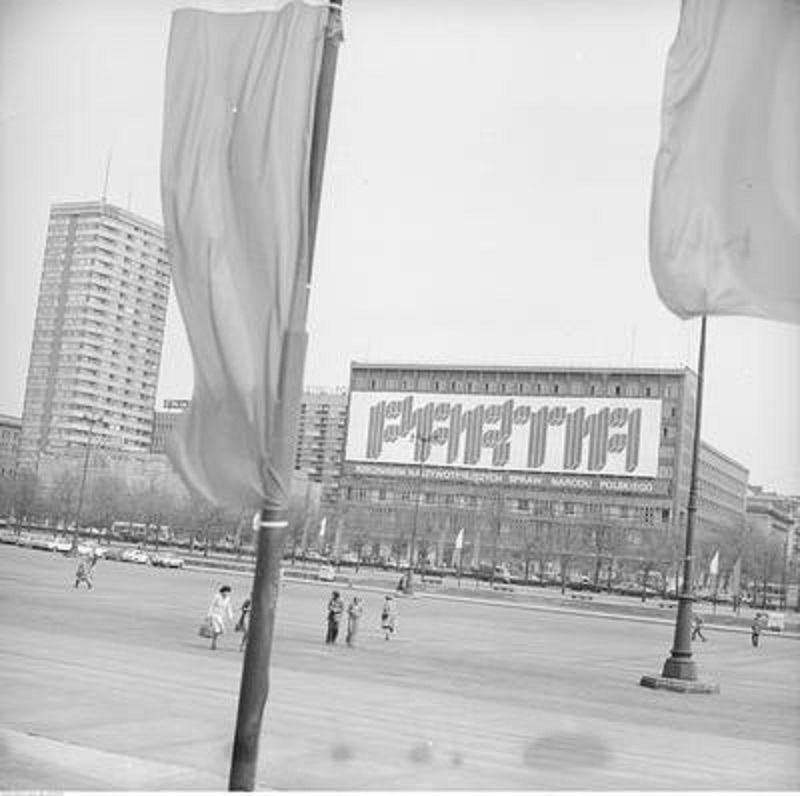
x=460 y=539
x=713 y=567
x=725 y=213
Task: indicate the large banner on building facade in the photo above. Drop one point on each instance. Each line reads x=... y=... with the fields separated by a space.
x=592 y=436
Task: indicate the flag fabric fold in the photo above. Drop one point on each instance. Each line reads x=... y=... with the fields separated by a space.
x=713 y=567
x=238 y=121
x=725 y=214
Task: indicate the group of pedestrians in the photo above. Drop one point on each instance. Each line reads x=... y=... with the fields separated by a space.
x=220 y=613
x=336 y=614
x=755 y=629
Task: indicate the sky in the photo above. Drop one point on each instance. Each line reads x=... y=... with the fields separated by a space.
x=486 y=194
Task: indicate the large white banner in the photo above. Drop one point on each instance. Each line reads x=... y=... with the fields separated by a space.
x=594 y=436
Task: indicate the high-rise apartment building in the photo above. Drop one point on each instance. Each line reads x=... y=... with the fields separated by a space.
x=320 y=440
x=98 y=332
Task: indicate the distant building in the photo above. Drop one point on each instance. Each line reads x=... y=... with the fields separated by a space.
x=770 y=512
x=513 y=455
x=98 y=333
x=164 y=421
x=320 y=440
x=10 y=428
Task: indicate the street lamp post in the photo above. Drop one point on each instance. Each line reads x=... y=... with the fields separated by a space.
x=422 y=442
x=79 y=510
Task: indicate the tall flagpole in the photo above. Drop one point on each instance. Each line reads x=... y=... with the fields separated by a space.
x=272 y=522
x=680 y=671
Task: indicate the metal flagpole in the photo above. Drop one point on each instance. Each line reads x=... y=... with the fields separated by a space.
x=680 y=671
x=272 y=523
x=680 y=664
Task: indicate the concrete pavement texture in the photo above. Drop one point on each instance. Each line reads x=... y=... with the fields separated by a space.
x=111 y=689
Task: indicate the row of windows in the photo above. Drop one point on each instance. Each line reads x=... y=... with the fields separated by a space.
x=553 y=508
x=632 y=389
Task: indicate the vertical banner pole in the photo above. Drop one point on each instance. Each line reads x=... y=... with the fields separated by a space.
x=273 y=522
x=680 y=664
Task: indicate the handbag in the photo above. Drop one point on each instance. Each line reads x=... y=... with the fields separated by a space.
x=206 y=629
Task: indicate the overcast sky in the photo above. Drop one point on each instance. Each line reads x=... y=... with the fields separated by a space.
x=485 y=202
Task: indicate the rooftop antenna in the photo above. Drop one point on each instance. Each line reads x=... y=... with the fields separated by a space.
x=105 y=181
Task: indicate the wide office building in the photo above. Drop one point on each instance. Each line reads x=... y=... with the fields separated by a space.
x=512 y=455
x=98 y=333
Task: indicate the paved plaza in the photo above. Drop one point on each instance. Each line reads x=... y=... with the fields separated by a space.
x=111 y=689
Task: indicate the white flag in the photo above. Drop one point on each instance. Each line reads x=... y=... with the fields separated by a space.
x=322 y=526
x=725 y=215
x=460 y=539
x=713 y=567
x=238 y=121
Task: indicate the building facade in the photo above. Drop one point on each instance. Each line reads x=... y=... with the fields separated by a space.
x=98 y=333
x=10 y=428
x=573 y=460
x=320 y=440
x=164 y=421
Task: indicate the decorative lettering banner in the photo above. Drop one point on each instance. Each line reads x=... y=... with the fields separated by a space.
x=593 y=436
x=576 y=483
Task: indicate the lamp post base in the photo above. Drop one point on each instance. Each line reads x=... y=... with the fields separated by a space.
x=681 y=686
x=679 y=668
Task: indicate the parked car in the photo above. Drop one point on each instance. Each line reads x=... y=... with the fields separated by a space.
x=771 y=620
x=58 y=545
x=135 y=556
x=89 y=549
x=167 y=560
x=326 y=573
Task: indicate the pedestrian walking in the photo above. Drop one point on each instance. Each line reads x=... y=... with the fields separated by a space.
x=388 y=618
x=755 y=631
x=697 y=627
x=243 y=622
x=219 y=610
x=83 y=573
x=335 y=613
x=354 y=611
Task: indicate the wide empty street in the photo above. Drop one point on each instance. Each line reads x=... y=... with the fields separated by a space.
x=112 y=689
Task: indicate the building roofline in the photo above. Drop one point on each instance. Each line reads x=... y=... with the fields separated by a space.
x=99 y=204
x=721 y=455
x=672 y=371
x=10 y=420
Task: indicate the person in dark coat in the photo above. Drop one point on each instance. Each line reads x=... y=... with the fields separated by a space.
x=335 y=613
x=697 y=627
x=755 y=631
x=243 y=623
